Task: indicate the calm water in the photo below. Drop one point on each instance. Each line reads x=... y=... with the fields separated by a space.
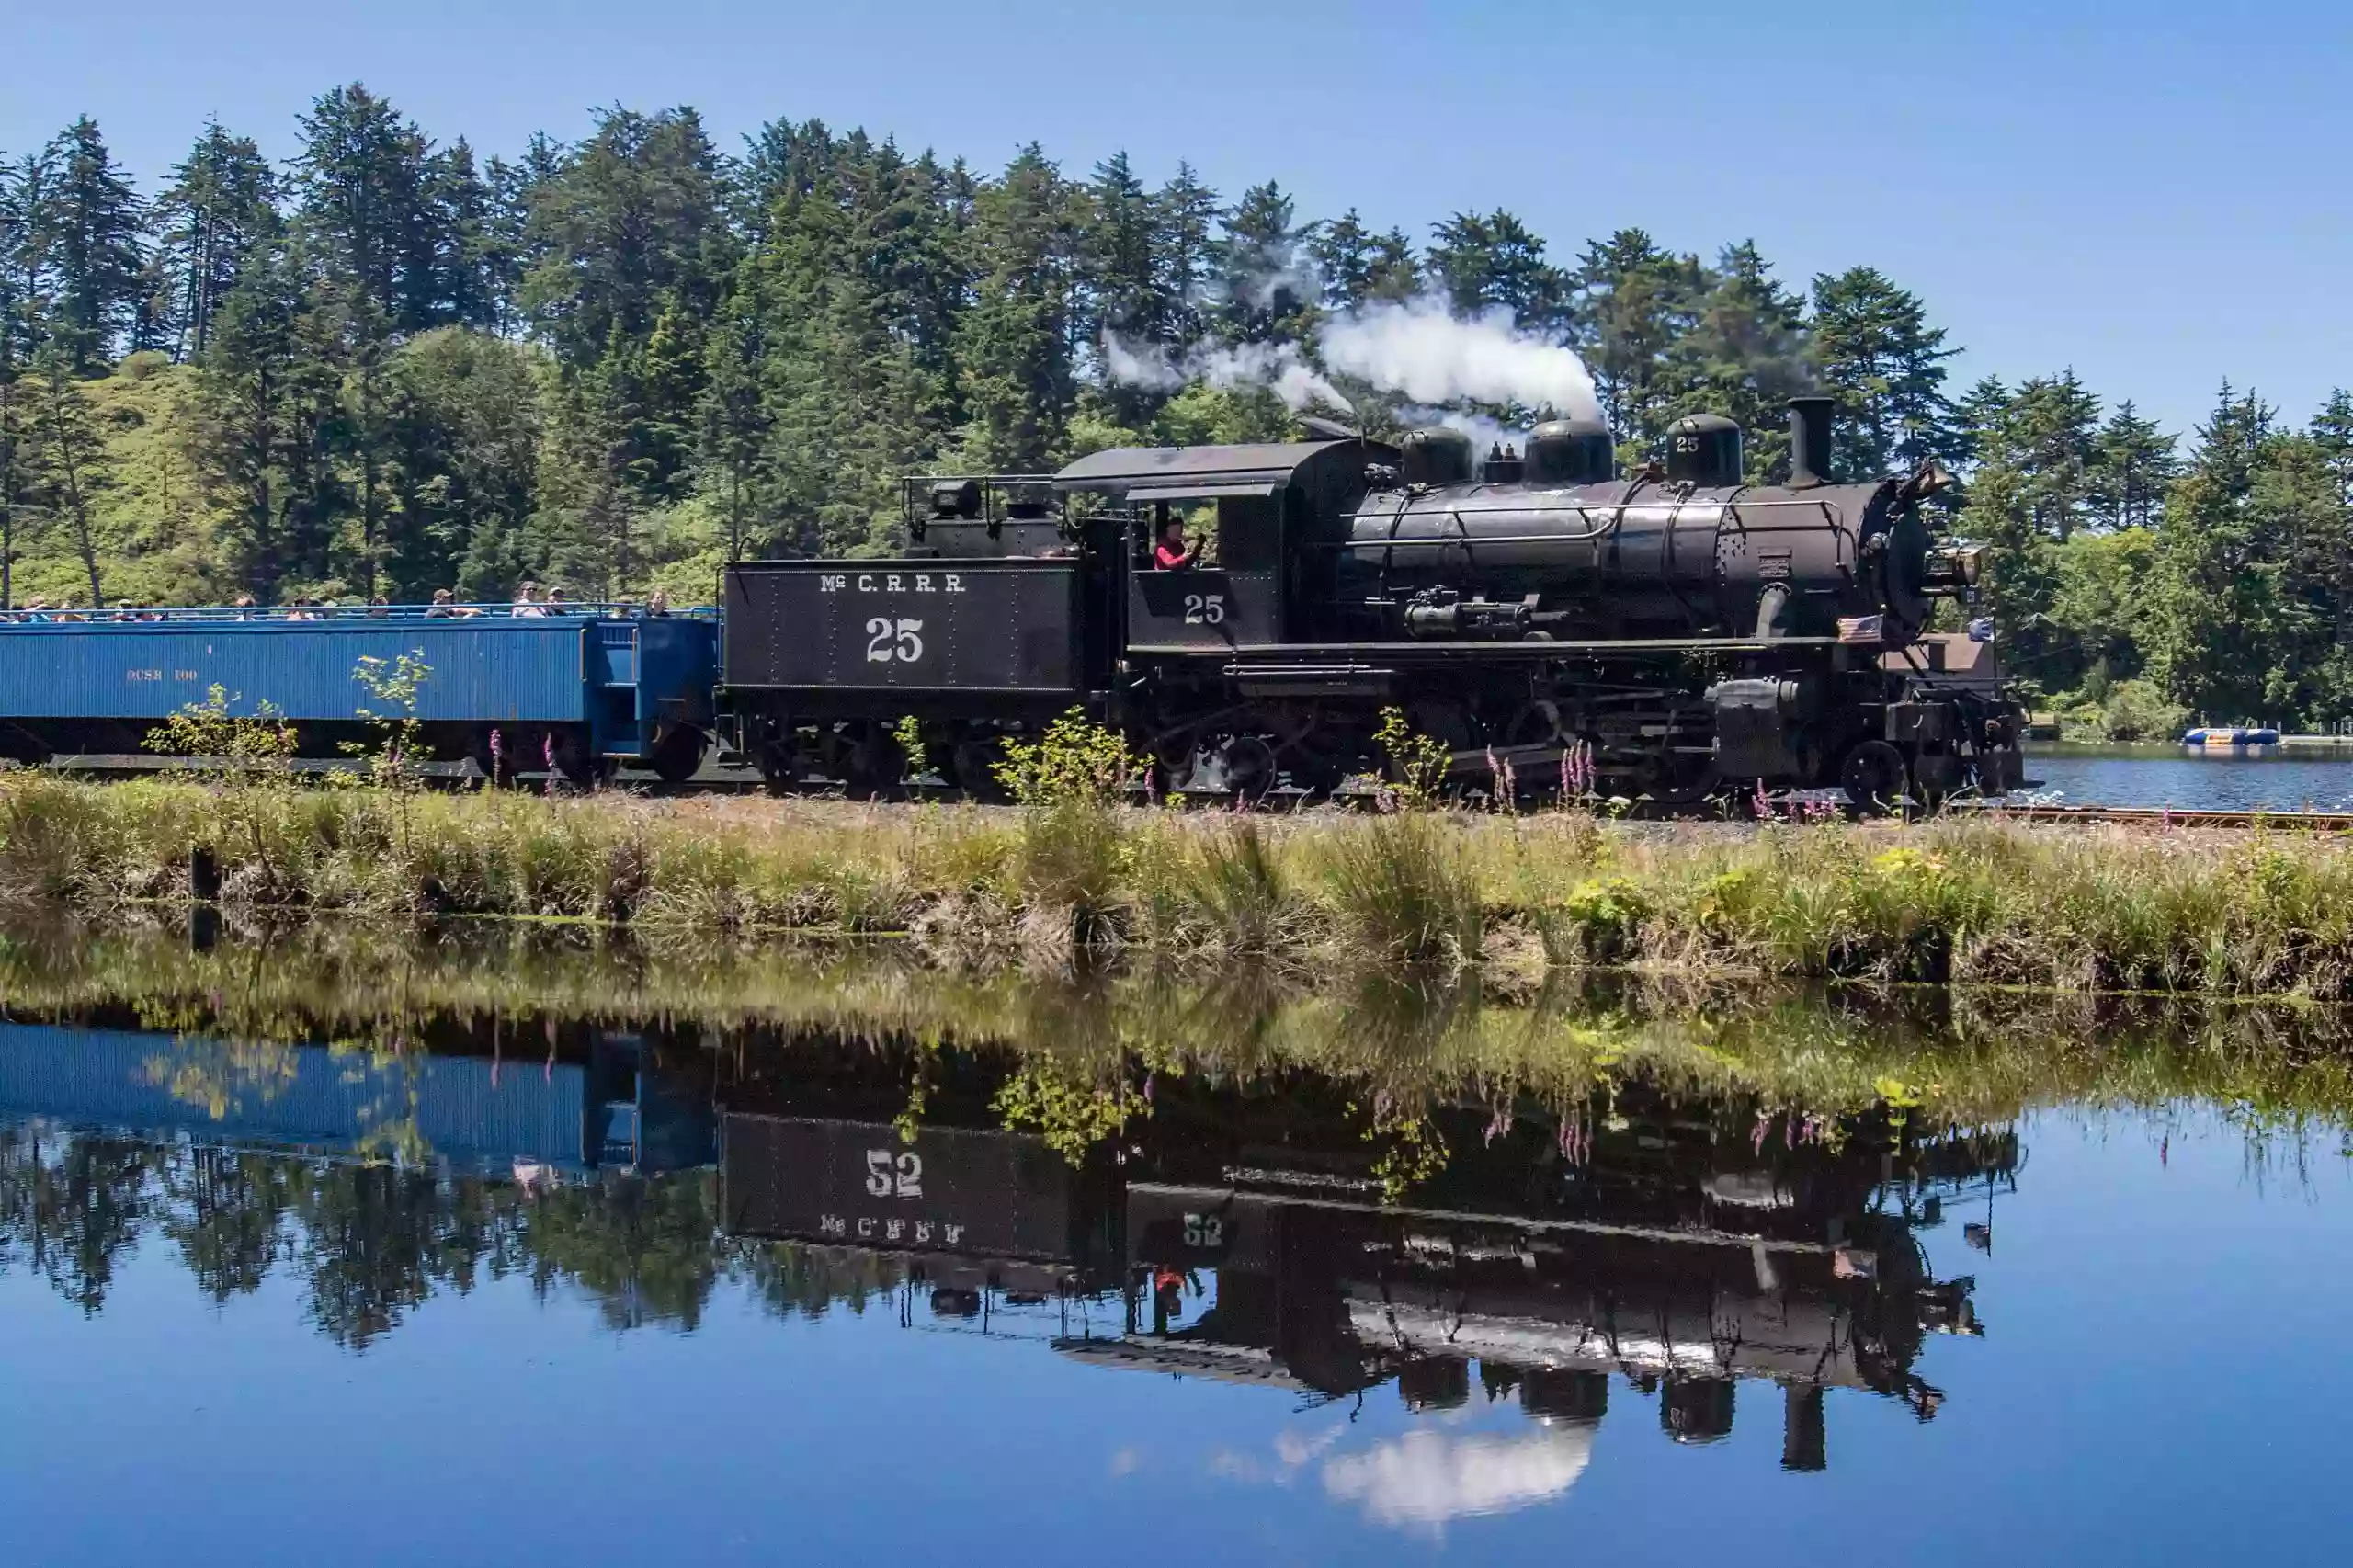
x=2083 y=775
x=579 y=1294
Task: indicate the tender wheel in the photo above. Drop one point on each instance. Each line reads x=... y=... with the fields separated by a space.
x=973 y=766
x=872 y=762
x=677 y=755
x=773 y=747
x=1874 y=777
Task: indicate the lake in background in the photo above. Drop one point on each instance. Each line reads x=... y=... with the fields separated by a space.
x=2096 y=776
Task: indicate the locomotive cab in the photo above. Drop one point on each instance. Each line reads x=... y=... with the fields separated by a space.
x=1267 y=506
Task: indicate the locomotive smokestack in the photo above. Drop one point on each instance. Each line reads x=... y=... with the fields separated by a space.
x=1809 y=441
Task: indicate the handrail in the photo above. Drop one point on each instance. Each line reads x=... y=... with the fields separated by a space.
x=500 y=613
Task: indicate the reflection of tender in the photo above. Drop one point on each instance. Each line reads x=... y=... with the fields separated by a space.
x=995 y=1223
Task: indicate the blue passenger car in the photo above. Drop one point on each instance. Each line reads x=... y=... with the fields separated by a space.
x=578 y=694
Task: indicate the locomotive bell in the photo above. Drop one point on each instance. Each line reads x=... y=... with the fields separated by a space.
x=1571 y=451
x=1435 y=455
x=1703 y=450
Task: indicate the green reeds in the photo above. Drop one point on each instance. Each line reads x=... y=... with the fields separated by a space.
x=1326 y=892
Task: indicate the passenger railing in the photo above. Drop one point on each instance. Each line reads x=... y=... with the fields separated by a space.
x=301 y=615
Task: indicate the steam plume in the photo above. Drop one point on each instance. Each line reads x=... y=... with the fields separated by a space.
x=1278 y=367
x=1416 y=347
x=1420 y=350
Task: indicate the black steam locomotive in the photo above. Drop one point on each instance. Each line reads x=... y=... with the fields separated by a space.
x=1671 y=634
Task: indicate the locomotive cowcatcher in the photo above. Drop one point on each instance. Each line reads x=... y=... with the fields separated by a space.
x=1673 y=634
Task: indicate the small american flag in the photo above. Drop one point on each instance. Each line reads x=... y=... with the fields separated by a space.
x=1860 y=629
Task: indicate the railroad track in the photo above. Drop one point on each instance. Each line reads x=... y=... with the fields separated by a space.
x=2164 y=816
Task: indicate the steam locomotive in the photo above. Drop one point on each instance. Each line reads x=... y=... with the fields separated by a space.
x=1670 y=634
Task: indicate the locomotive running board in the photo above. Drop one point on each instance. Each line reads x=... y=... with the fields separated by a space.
x=1309 y=680
x=1346 y=652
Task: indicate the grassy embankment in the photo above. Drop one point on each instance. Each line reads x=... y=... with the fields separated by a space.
x=1322 y=895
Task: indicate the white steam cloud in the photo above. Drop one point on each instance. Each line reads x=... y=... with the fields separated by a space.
x=1482 y=431
x=1419 y=348
x=1416 y=347
x=1278 y=367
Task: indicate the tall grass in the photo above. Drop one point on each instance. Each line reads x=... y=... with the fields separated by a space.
x=1324 y=892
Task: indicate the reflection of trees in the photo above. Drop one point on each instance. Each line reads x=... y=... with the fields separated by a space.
x=227 y=1215
x=376 y=1241
x=373 y=1242
x=71 y=1206
x=795 y=1279
x=644 y=1248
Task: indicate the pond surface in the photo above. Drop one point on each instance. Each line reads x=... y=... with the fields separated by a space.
x=531 y=1291
x=2243 y=781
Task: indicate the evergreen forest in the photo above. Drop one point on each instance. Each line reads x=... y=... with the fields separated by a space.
x=387 y=366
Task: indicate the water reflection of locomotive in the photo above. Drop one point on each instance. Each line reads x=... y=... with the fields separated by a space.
x=1673 y=1255
x=1694 y=632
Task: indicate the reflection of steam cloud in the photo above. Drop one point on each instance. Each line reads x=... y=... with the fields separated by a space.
x=1428 y=1478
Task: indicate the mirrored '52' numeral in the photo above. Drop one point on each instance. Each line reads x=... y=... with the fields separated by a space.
x=889 y=1178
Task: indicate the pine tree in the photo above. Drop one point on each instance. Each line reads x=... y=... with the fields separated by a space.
x=359 y=178
x=2216 y=602
x=2048 y=432
x=464 y=435
x=90 y=225
x=1185 y=215
x=1481 y=263
x=633 y=252
x=73 y=469
x=630 y=222
x=735 y=421
x=2133 y=461
x=1873 y=348
x=1013 y=347
x=510 y=249
x=221 y=203
x=17 y=444
x=1358 y=266
x=1975 y=416
x=455 y=264
x=1121 y=289
x=1743 y=356
x=268 y=393
x=1634 y=303
x=1265 y=291
x=26 y=279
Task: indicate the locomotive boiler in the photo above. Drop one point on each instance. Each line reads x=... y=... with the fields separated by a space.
x=1553 y=544
x=1673 y=634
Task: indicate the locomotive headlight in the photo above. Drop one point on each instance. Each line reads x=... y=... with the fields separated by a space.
x=1953 y=567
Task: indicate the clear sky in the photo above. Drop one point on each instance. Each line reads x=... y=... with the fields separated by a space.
x=2153 y=193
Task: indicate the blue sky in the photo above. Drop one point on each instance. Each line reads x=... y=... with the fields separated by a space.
x=2152 y=193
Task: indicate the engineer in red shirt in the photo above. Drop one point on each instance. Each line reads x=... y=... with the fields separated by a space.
x=1174 y=553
